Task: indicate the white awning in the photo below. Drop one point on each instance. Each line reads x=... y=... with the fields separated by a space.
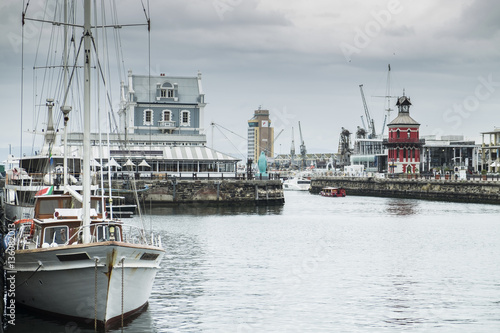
x=112 y=163
x=144 y=164
x=129 y=163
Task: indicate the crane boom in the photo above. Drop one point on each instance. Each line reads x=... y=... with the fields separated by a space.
x=303 y=150
x=369 y=120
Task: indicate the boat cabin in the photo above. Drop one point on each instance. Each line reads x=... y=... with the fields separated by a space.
x=333 y=192
x=58 y=221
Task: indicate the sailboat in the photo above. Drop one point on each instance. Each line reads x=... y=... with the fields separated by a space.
x=43 y=171
x=73 y=261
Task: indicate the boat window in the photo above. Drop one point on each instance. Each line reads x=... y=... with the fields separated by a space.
x=108 y=233
x=96 y=204
x=57 y=235
x=48 y=206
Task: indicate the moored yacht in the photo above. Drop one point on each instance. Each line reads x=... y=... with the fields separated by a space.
x=70 y=259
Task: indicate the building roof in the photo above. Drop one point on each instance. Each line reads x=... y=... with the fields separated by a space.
x=196 y=154
x=175 y=153
x=144 y=87
x=403 y=118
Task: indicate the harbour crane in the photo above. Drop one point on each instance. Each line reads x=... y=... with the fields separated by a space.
x=292 y=150
x=277 y=136
x=388 y=97
x=303 y=150
x=371 y=124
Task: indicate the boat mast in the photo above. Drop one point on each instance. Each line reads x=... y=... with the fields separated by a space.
x=65 y=109
x=87 y=35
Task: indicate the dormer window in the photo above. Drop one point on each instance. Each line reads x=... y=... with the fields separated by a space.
x=166 y=93
x=167 y=90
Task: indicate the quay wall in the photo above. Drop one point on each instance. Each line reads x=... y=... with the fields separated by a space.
x=475 y=191
x=212 y=191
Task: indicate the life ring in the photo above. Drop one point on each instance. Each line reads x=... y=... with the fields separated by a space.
x=22 y=221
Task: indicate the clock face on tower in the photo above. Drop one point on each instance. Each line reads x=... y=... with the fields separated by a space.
x=405 y=108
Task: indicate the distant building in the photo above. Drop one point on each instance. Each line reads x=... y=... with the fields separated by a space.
x=163 y=105
x=449 y=153
x=404 y=145
x=370 y=153
x=490 y=151
x=161 y=122
x=260 y=135
x=314 y=160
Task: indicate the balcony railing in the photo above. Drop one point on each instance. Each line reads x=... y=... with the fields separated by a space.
x=403 y=140
x=166 y=124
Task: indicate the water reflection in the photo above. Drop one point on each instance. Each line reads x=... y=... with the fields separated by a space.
x=403 y=207
x=179 y=283
x=401 y=301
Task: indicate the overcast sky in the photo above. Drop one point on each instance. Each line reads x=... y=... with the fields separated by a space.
x=303 y=61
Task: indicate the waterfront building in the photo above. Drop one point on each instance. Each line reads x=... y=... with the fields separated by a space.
x=490 y=150
x=260 y=135
x=449 y=154
x=404 y=144
x=369 y=152
x=161 y=125
x=314 y=160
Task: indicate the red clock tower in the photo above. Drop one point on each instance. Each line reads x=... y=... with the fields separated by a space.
x=403 y=143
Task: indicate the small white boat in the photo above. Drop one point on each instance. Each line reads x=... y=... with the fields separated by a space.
x=297 y=184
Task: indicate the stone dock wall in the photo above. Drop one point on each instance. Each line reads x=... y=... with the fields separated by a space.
x=211 y=191
x=473 y=191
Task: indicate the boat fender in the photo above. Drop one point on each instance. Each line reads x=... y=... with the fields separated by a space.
x=32 y=227
x=6 y=239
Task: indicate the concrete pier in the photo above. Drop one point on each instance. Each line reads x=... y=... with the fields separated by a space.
x=207 y=191
x=472 y=191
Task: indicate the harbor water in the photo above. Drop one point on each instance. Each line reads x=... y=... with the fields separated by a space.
x=316 y=264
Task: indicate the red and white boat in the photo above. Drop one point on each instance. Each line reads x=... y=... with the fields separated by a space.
x=332 y=192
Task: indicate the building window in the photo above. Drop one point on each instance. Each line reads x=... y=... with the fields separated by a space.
x=167 y=90
x=166 y=115
x=148 y=117
x=185 y=118
x=167 y=93
x=408 y=133
x=397 y=134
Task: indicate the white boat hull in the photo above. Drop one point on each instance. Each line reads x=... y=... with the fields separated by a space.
x=293 y=185
x=63 y=280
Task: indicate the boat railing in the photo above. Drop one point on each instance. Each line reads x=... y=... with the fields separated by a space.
x=32 y=179
x=134 y=235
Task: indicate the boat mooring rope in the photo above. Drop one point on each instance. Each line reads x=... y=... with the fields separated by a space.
x=36 y=270
x=123 y=270
x=95 y=294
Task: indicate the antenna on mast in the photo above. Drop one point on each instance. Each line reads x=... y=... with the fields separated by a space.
x=388 y=97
